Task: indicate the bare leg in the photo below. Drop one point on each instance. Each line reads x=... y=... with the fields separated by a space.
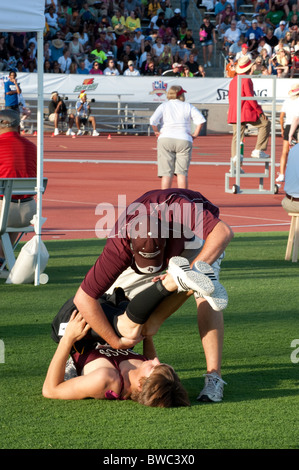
x=284 y=156
x=169 y=305
x=166 y=182
x=211 y=330
x=182 y=181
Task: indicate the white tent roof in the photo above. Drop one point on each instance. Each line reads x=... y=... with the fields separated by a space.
x=22 y=15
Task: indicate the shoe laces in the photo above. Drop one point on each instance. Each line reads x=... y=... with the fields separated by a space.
x=213 y=381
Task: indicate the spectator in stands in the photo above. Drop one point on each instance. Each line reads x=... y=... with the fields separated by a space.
x=56 y=67
x=131 y=71
x=230 y=69
x=219 y=8
x=274 y=16
x=186 y=71
x=73 y=67
x=261 y=7
x=56 y=48
x=82 y=69
x=83 y=114
x=270 y=38
x=111 y=68
x=183 y=54
x=47 y=67
x=98 y=52
x=231 y=36
x=132 y=21
x=65 y=61
x=168 y=12
x=243 y=24
x=158 y=48
x=75 y=48
x=52 y=20
x=11 y=92
x=87 y=13
x=264 y=45
x=58 y=112
x=265 y=57
x=229 y=13
x=282 y=5
x=150 y=69
x=74 y=20
x=208 y=38
x=175 y=71
x=96 y=70
x=261 y=23
x=294 y=64
x=258 y=67
x=252 y=44
x=134 y=44
x=18 y=159
x=201 y=72
x=281 y=30
x=117 y=19
x=192 y=64
x=122 y=36
x=152 y=7
x=130 y=5
x=254 y=29
x=188 y=40
x=175 y=22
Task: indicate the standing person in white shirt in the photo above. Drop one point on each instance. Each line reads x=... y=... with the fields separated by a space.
x=288 y=112
x=131 y=71
x=174 y=146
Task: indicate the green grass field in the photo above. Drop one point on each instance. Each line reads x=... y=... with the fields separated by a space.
x=261 y=400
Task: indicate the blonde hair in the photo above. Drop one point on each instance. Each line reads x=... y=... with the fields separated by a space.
x=162 y=389
x=173 y=91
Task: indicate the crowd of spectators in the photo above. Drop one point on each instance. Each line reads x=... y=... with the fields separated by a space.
x=270 y=36
x=109 y=37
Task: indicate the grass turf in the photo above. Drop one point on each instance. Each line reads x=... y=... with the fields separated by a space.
x=260 y=407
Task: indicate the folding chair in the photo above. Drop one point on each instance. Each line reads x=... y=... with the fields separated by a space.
x=8 y=188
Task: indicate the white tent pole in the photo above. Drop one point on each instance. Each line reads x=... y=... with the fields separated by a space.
x=40 y=144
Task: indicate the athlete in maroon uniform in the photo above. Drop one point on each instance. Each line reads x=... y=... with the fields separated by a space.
x=187 y=225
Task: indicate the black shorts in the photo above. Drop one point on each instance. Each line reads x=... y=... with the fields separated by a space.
x=112 y=305
x=286 y=132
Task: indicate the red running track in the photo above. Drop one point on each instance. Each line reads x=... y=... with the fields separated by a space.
x=85 y=171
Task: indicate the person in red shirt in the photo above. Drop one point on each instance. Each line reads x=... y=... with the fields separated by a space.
x=251 y=112
x=18 y=159
x=182 y=223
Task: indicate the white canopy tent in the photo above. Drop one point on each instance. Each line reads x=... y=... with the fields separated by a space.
x=28 y=16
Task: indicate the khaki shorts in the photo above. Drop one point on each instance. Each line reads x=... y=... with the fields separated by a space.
x=174 y=156
x=20 y=213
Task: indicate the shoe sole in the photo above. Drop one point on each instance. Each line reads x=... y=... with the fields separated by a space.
x=188 y=279
x=219 y=298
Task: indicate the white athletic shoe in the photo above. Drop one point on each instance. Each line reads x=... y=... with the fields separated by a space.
x=259 y=154
x=95 y=134
x=186 y=279
x=80 y=132
x=70 y=370
x=280 y=178
x=70 y=132
x=56 y=131
x=219 y=298
x=213 y=389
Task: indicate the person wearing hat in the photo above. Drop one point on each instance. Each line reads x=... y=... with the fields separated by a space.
x=251 y=111
x=160 y=225
x=175 y=71
x=83 y=114
x=56 y=47
x=58 y=112
x=288 y=113
x=171 y=123
x=131 y=71
x=254 y=29
x=281 y=30
x=18 y=159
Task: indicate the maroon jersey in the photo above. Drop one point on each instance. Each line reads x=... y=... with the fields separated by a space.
x=186 y=213
x=114 y=356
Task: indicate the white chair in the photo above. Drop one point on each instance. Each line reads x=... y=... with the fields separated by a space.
x=8 y=188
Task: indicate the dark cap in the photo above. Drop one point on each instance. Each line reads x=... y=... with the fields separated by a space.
x=147 y=245
x=9 y=118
